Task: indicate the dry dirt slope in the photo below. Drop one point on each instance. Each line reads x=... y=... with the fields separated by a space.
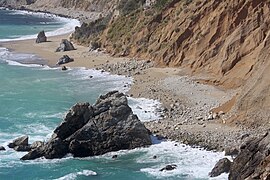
x=228 y=39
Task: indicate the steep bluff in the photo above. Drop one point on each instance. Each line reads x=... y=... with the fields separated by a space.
x=227 y=41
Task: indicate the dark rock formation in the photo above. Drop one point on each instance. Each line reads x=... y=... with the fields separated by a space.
x=222 y=166
x=169 y=167
x=231 y=151
x=41 y=37
x=64 y=68
x=65 y=45
x=21 y=141
x=20 y=144
x=65 y=59
x=253 y=161
x=108 y=125
x=2 y=148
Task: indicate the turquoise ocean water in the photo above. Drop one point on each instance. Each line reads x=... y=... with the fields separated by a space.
x=34 y=99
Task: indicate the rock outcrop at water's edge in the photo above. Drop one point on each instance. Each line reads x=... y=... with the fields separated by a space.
x=108 y=125
x=253 y=161
x=64 y=59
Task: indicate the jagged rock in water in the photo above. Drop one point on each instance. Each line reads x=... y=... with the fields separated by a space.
x=21 y=141
x=253 y=161
x=222 y=166
x=2 y=148
x=64 y=68
x=65 y=59
x=65 y=45
x=169 y=167
x=41 y=37
x=108 y=125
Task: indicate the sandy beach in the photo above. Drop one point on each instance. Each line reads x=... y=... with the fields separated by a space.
x=186 y=103
x=82 y=56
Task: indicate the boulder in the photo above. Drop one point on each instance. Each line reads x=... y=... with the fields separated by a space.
x=2 y=148
x=108 y=125
x=94 y=45
x=41 y=37
x=253 y=161
x=21 y=141
x=64 y=68
x=169 y=167
x=65 y=45
x=222 y=166
x=65 y=59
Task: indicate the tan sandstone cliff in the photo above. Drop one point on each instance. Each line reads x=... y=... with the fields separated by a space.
x=226 y=40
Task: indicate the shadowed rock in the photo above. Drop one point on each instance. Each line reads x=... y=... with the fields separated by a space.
x=253 y=161
x=169 y=167
x=41 y=37
x=108 y=125
x=65 y=59
x=21 y=141
x=2 y=148
x=222 y=166
x=65 y=45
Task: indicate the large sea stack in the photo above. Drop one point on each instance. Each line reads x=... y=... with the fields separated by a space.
x=108 y=125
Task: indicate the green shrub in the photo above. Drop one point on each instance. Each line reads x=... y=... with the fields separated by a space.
x=127 y=6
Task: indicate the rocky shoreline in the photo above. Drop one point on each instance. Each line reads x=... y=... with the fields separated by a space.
x=185 y=117
x=90 y=130
x=188 y=115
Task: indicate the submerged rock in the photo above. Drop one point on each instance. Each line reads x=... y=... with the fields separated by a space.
x=108 y=125
x=64 y=68
x=2 y=148
x=65 y=45
x=169 y=167
x=65 y=59
x=222 y=166
x=41 y=37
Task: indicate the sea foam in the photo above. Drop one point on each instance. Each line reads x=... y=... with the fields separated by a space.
x=68 y=27
x=72 y=176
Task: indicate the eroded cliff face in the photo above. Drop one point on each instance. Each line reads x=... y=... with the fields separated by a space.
x=226 y=40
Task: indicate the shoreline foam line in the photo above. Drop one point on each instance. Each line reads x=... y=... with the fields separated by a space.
x=68 y=26
x=145 y=109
